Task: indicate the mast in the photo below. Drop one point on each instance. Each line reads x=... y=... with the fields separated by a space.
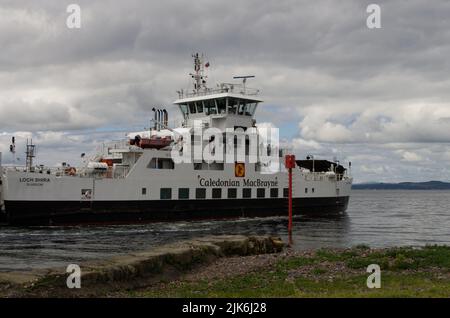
x=30 y=154
x=198 y=75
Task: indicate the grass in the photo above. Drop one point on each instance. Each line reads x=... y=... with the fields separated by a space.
x=405 y=272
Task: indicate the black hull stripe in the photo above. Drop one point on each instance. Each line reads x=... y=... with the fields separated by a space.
x=67 y=212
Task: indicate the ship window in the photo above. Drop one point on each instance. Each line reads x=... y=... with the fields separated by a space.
x=210 y=107
x=247 y=192
x=306 y=190
x=274 y=193
x=211 y=166
x=200 y=193
x=221 y=105
x=232 y=193
x=144 y=191
x=192 y=109
x=250 y=109
x=260 y=193
x=232 y=105
x=199 y=106
x=184 y=109
x=161 y=163
x=217 y=193
x=216 y=166
x=241 y=107
x=166 y=194
x=312 y=190
x=285 y=192
x=183 y=193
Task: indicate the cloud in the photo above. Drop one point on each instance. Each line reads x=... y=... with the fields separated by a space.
x=410 y=156
x=332 y=86
x=379 y=124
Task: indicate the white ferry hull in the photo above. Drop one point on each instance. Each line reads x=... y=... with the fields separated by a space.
x=34 y=198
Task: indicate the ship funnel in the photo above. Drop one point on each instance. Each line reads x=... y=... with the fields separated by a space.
x=154 y=118
x=166 y=117
x=158 y=119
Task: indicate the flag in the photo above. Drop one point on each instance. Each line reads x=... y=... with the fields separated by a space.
x=207 y=64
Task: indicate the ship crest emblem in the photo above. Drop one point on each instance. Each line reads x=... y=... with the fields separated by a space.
x=239 y=169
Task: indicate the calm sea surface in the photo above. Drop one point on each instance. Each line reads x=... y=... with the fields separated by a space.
x=377 y=218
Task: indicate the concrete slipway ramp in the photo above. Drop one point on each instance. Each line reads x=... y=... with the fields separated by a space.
x=142 y=267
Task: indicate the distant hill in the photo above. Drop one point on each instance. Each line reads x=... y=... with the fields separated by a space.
x=429 y=185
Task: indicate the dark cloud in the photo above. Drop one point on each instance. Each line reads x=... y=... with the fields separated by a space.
x=345 y=89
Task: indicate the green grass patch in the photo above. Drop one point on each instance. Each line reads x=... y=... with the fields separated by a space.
x=406 y=272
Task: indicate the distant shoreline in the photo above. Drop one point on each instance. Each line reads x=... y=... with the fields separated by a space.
x=429 y=185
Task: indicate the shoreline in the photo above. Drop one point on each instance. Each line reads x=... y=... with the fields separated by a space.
x=240 y=266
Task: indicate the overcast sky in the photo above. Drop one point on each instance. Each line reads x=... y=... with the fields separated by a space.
x=377 y=97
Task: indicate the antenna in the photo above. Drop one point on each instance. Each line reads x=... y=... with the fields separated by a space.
x=199 y=68
x=244 y=79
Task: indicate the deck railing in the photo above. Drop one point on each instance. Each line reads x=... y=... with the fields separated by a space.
x=223 y=88
x=321 y=176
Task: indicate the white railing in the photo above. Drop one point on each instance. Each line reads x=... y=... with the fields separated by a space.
x=322 y=176
x=224 y=88
x=118 y=172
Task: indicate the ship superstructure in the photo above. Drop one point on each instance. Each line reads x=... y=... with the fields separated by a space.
x=139 y=179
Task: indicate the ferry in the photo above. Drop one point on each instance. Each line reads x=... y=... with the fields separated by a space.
x=154 y=175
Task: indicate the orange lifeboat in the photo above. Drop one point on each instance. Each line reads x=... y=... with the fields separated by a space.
x=155 y=142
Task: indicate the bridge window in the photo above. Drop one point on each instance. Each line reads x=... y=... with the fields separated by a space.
x=285 y=192
x=221 y=105
x=241 y=107
x=232 y=105
x=184 y=110
x=250 y=109
x=192 y=109
x=199 y=106
x=210 y=107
